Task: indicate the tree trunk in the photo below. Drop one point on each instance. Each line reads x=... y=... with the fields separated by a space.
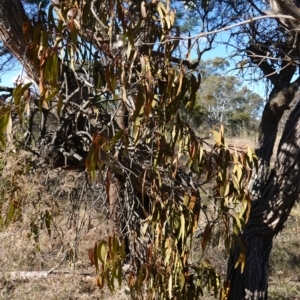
x=12 y=20
x=275 y=194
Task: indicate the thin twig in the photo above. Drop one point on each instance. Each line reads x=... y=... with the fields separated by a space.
x=96 y=17
x=203 y=34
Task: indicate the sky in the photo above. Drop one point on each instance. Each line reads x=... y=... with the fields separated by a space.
x=221 y=50
x=9 y=78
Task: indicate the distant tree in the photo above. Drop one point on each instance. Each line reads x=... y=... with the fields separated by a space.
x=223 y=99
x=245 y=115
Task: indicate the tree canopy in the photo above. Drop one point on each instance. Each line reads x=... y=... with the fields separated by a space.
x=112 y=80
x=224 y=99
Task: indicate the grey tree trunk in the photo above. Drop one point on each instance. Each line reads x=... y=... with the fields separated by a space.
x=274 y=194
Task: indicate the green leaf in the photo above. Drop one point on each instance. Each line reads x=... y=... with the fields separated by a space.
x=237 y=220
x=96 y=257
x=186 y=199
x=119 y=274
x=236 y=183
x=182 y=281
x=117 y=136
x=102 y=251
x=50 y=96
x=239 y=172
x=4 y=121
x=20 y=89
x=140 y=102
x=217 y=136
x=9 y=130
x=206 y=236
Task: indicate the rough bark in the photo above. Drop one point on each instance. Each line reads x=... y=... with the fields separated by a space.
x=275 y=199
x=280 y=99
x=12 y=20
x=274 y=188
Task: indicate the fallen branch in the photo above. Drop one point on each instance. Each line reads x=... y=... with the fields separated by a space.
x=31 y=275
x=27 y=275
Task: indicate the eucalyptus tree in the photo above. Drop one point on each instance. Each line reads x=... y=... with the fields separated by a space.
x=224 y=99
x=113 y=75
x=268 y=49
x=270 y=46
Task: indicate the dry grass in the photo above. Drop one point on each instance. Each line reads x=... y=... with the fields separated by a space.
x=76 y=226
x=73 y=279
x=285 y=260
x=26 y=245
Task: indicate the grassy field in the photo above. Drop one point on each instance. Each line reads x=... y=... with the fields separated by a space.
x=77 y=223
